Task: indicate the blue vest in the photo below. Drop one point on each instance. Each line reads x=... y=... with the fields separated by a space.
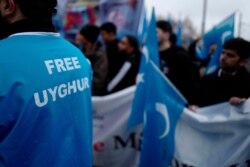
x=45 y=103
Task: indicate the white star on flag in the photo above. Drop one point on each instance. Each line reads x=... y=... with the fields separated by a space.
x=139 y=78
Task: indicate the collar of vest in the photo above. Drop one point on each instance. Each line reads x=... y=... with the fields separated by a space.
x=28 y=25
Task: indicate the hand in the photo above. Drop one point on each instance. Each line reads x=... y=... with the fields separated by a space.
x=237 y=101
x=193 y=108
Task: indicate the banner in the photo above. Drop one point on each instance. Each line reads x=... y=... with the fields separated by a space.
x=77 y=16
x=125 y=14
x=114 y=145
x=218 y=135
x=214 y=136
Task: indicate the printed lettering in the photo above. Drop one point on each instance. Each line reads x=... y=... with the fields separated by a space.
x=68 y=62
x=62 y=65
x=133 y=141
x=59 y=65
x=49 y=64
x=76 y=63
x=53 y=93
x=72 y=86
x=60 y=91
x=38 y=100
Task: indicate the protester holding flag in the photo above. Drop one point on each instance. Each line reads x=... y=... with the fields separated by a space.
x=219 y=35
x=175 y=62
x=231 y=82
x=45 y=104
x=196 y=54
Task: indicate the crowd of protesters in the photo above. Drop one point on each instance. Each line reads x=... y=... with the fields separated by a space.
x=45 y=81
x=115 y=63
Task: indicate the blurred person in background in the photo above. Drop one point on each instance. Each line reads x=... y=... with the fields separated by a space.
x=175 y=62
x=231 y=82
x=108 y=32
x=128 y=51
x=87 y=39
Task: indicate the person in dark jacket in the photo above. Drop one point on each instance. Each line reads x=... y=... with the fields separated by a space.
x=231 y=82
x=130 y=55
x=175 y=62
x=108 y=34
x=95 y=52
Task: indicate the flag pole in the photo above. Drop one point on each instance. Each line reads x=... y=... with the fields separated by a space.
x=240 y=24
x=203 y=24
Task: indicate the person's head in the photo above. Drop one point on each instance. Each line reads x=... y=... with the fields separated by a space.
x=128 y=45
x=87 y=36
x=15 y=10
x=164 y=31
x=108 y=31
x=235 y=54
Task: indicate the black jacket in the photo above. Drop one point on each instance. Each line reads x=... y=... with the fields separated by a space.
x=178 y=67
x=99 y=63
x=218 y=87
x=113 y=58
x=126 y=75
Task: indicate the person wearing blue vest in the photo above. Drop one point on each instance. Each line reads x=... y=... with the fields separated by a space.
x=45 y=91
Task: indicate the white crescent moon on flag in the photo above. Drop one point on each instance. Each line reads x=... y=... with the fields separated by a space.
x=162 y=109
x=225 y=35
x=145 y=53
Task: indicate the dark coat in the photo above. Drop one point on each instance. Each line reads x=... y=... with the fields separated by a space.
x=99 y=63
x=126 y=75
x=218 y=87
x=114 y=59
x=178 y=67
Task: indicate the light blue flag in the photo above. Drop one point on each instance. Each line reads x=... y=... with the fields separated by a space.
x=142 y=29
x=163 y=107
x=203 y=46
x=179 y=34
x=224 y=32
x=149 y=50
x=159 y=103
x=170 y=19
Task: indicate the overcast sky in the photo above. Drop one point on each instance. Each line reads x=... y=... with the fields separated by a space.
x=217 y=10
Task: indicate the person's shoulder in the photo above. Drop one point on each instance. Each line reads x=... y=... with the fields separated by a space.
x=4 y=42
x=9 y=46
x=99 y=50
x=71 y=49
x=210 y=77
x=113 y=44
x=180 y=49
x=117 y=40
x=180 y=54
x=243 y=73
x=177 y=50
x=67 y=45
